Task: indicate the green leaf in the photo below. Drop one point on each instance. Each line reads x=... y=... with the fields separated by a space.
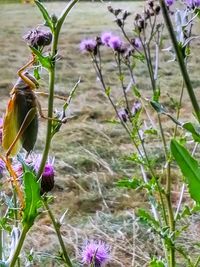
x=146 y=217
x=193 y=130
x=37 y=73
x=136 y=91
x=156 y=95
x=156 y=263
x=108 y=90
x=129 y=183
x=45 y=14
x=151 y=131
x=32 y=198
x=189 y=167
x=64 y=14
x=158 y=107
x=45 y=61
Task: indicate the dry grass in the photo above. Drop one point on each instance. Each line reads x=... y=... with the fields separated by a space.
x=88 y=151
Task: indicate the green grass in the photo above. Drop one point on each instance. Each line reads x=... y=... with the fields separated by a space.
x=88 y=151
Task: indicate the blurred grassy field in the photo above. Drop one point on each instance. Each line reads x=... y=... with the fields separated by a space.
x=88 y=151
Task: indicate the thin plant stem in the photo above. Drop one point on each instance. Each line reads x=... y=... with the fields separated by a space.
x=58 y=233
x=180 y=59
x=179 y=108
x=122 y=82
x=1 y=240
x=168 y=206
x=100 y=76
x=19 y=245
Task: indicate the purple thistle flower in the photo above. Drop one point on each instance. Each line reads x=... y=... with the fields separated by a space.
x=88 y=45
x=193 y=3
x=136 y=43
x=169 y=2
x=1 y=130
x=2 y=167
x=135 y=108
x=105 y=37
x=123 y=114
x=96 y=252
x=47 y=178
x=115 y=43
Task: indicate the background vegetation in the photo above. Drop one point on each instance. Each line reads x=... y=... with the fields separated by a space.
x=89 y=152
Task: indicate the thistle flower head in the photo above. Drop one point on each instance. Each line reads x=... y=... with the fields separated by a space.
x=105 y=37
x=193 y=3
x=169 y=2
x=38 y=37
x=115 y=43
x=135 y=108
x=2 y=167
x=88 y=45
x=123 y=114
x=96 y=252
x=47 y=178
x=1 y=132
x=136 y=43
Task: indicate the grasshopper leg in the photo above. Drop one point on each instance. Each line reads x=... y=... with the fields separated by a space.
x=46 y=117
x=56 y=96
x=23 y=77
x=14 y=179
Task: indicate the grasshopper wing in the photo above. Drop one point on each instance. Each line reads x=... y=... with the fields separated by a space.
x=10 y=127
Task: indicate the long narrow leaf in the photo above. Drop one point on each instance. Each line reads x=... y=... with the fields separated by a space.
x=189 y=167
x=32 y=198
x=45 y=14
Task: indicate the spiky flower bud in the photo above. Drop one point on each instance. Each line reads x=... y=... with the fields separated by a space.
x=38 y=37
x=119 y=22
x=117 y=11
x=126 y=14
x=110 y=9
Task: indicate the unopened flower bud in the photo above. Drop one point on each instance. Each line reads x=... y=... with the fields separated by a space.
x=140 y=24
x=151 y=3
x=157 y=10
x=110 y=9
x=125 y=15
x=117 y=12
x=119 y=22
x=54 y=18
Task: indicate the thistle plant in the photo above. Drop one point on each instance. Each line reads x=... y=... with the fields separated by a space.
x=32 y=176
x=143 y=45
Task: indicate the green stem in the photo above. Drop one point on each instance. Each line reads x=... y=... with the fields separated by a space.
x=54 y=49
x=57 y=229
x=19 y=245
x=180 y=59
x=1 y=244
